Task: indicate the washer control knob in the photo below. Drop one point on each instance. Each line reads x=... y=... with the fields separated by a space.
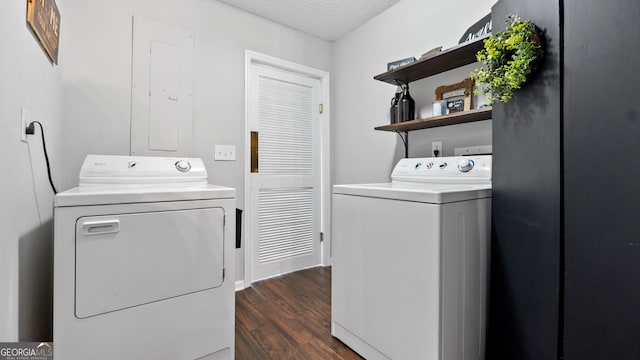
x=429 y=165
x=443 y=165
x=418 y=166
x=465 y=165
x=183 y=165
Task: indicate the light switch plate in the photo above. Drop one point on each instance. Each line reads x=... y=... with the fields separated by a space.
x=225 y=153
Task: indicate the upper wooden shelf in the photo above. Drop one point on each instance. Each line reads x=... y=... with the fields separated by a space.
x=448 y=59
x=444 y=120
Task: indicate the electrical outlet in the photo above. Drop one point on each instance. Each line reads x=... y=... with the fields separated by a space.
x=24 y=122
x=225 y=152
x=436 y=146
x=473 y=150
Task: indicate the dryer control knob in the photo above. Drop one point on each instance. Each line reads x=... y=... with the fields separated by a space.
x=183 y=165
x=465 y=165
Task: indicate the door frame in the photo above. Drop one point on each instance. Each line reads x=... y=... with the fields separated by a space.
x=255 y=58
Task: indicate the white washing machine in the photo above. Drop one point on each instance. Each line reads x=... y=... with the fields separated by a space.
x=143 y=262
x=410 y=261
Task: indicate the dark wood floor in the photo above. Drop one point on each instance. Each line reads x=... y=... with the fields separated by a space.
x=288 y=317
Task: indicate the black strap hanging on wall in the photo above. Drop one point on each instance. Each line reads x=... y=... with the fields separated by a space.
x=30 y=130
x=405 y=141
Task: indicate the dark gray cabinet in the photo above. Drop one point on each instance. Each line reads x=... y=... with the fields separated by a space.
x=526 y=202
x=565 y=249
x=601 y=180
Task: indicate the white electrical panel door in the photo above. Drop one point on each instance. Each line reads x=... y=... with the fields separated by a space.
x=164 y=97
x=161 y=89
x=129 y=260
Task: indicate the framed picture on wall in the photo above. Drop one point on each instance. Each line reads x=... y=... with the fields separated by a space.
x=43 y=18
x=457 y=96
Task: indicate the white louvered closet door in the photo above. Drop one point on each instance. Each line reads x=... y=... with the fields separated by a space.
x=285 y=191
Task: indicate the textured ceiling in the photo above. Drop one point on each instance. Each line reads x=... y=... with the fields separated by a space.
x=325 y=19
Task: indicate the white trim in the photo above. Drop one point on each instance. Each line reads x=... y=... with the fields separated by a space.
x=240 y=285
x=325 y=194
x=252 y=57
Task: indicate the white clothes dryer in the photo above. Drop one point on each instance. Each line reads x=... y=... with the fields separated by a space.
x=144 y=262
x=410 y=261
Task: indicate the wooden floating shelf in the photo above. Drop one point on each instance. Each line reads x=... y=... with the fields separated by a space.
x=444 y=120
x=448 y=59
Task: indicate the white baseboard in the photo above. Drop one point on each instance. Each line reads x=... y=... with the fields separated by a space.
x=240 y=285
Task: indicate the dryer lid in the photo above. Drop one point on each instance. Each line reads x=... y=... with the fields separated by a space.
x=132 y=194
x=109 y=179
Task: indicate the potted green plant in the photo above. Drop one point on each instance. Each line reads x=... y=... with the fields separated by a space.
x=509 y=58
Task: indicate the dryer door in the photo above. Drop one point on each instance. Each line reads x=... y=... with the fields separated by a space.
x=128 y=260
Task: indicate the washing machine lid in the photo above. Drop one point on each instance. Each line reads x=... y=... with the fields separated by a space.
x=112 y=179
x=444 y=170
x=431 y=180
x=432 y=193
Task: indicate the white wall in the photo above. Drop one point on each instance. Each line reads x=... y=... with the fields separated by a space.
x=93 y=116
x=97 y=77
x=26 y=209
x=410 y=28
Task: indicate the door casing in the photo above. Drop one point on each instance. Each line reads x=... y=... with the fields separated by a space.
x=253 y=58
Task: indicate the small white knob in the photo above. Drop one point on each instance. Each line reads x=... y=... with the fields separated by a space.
x=465 y=165
x=183 y=165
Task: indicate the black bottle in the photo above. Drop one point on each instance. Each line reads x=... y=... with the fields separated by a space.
x=406 y=106
x=393 y=111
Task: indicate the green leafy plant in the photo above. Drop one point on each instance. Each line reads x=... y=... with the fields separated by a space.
x=509 y=57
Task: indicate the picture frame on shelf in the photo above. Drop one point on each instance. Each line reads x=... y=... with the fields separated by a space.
x=457 y=96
